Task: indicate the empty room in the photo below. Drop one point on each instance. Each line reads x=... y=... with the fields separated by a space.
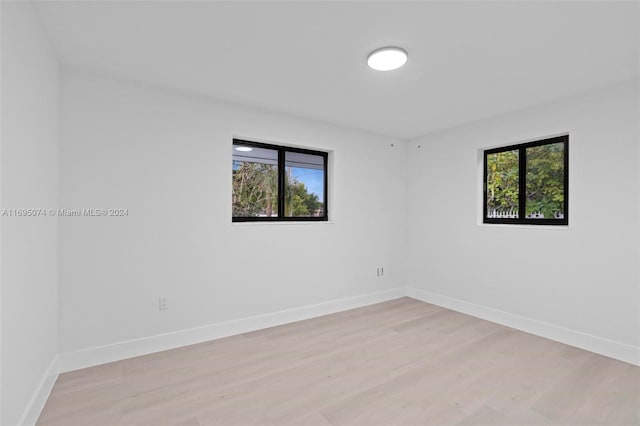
x=319 y=213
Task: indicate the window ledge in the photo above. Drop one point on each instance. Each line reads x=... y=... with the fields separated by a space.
x=523 y=226
x=284 y=222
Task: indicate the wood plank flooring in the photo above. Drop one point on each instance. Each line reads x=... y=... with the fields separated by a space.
x=402 y=362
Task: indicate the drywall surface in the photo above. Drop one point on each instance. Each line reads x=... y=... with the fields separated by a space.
x=166 y=158
x=29 y=166
x=582 y=277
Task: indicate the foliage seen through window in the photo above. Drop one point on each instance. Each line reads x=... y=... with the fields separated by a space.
x=527 y=183
x=273 y=182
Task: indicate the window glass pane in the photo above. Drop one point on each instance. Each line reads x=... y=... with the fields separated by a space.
x=502 y=184
x=304 y=185
x=545 y=182
x=255 y=181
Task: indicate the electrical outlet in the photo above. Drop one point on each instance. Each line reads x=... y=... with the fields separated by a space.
x=163 y=303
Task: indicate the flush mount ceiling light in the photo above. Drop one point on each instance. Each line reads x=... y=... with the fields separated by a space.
x=244 y=148
x=387 y=58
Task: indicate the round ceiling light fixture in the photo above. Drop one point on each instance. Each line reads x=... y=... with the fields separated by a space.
x=387 y=58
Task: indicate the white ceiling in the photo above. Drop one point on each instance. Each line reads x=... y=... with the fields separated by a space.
x=467 y=60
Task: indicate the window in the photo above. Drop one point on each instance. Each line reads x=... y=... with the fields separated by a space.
x=527 y=183
x=278 y=183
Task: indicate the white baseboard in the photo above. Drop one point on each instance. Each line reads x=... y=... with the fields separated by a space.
x=122 y=350
x=40 y=396
x=600 y=345
x=127 y=349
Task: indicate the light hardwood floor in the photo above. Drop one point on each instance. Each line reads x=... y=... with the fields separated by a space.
x=402 y=362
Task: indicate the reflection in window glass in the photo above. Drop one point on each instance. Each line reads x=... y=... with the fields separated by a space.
x=255 y=182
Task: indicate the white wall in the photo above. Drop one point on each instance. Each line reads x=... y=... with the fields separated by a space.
x=166 y=157
x=29 y=176
x=584 y=277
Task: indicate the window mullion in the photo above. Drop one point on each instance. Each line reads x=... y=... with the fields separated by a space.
x=281 y=183
x=522 y=184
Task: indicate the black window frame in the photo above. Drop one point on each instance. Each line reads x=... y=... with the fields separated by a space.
x=282 y=150
x=522 y=183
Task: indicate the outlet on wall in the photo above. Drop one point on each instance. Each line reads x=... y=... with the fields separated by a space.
x=380 y=271
x=163 y=303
